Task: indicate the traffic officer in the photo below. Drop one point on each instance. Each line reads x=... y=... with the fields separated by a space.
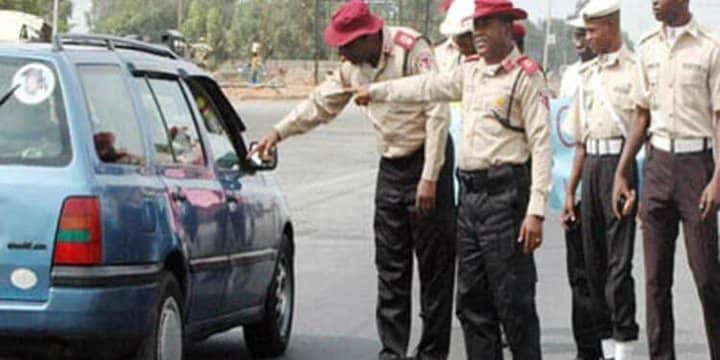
x=459 y=46
x=678 y=106
x=502 y=197
x=599 y=120
x=571 y=76
x=414 y=208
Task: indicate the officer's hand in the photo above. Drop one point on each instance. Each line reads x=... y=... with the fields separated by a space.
x=425 y=197
x=263 y=148
x=362 y=96
x=568 y=216
x=710 y=198
x=531 y=233
x=622 y=196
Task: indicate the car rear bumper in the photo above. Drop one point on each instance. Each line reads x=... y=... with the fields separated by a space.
x=99 y=302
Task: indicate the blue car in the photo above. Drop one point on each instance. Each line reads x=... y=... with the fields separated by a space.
x=129 y=213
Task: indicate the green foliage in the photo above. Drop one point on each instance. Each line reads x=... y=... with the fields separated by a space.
x=287 y=29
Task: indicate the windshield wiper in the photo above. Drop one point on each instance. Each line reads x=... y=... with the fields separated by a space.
x=8 y=94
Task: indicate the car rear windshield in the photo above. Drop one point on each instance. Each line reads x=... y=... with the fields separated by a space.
x=33 y=124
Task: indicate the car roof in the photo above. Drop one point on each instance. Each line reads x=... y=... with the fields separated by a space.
x=88 y=49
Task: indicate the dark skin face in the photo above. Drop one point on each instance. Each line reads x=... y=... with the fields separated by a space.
x=465 y=43
x=581 y=45
x=602 y=34
x=671 y=12
x=365 y=49
x=493 y=38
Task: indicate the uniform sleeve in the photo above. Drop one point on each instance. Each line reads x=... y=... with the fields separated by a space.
x=641 y=92
x=432 y=86
x=573 y=121
x=437 y=115
x=321 y=107
x=714 y=79
x=535 y=111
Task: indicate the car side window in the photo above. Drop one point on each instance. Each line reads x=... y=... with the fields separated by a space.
x=116 y=132
x=224 y=153
x=158 y=132
x=178 y=121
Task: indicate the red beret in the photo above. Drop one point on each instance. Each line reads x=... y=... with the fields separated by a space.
x=487 y=8
x=351 y=21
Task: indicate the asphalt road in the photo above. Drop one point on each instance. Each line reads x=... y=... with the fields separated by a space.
x=328 y=177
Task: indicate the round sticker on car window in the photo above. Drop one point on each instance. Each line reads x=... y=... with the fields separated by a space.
x=35 y=82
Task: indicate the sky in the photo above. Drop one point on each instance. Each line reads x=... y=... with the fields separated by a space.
x=637 y=14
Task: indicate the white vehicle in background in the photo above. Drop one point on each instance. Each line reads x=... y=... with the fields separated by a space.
x=20 y=27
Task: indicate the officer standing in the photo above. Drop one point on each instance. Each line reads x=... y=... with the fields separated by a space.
x=571 y=76
x=599 y=120
x=678 y=106
x=414 y=208
x=460 y=31
x=502 y=197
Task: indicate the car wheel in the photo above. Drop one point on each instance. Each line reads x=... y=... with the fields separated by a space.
x=270 y=337
x=164 y=341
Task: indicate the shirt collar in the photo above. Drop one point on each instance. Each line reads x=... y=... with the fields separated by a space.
x=508 y=64
x=691 y=28
x=612 y=59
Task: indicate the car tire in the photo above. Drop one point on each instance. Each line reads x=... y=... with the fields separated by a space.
x=164 y=341
x=270 y=337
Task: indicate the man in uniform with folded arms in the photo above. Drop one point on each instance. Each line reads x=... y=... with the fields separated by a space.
x=678 y=106
x=502 y=197
x=414 y=207
x=600 y=120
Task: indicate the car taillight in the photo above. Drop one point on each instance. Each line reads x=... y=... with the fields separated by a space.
x=79 y=235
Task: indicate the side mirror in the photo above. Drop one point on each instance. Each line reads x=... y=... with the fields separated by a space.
x=256 y=163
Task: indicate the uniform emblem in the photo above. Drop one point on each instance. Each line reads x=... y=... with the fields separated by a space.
x=544 y=100
x=405 y=40
x=501 y=102
x=424 y=61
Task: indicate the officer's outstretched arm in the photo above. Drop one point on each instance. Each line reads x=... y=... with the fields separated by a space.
x=322 y=106
x=438 y=87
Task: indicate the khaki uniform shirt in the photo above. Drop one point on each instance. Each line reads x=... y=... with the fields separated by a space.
x=448 y=55
x=680 y=85
x=485 y=90
x=402 y=129
x=608 y=77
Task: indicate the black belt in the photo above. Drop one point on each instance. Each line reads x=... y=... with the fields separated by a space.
x=494 y=179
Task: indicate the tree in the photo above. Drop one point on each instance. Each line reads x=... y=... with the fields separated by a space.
x=194 y=25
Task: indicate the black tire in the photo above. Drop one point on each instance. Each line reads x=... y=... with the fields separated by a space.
x=270 y=337
x=164 y=341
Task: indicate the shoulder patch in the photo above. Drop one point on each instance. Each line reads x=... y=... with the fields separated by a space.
x=405 y=40
x=528 y=65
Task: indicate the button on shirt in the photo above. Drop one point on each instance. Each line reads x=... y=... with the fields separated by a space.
x=606 y=79
x=680 y=84
x=401 y=129
x=485 y=92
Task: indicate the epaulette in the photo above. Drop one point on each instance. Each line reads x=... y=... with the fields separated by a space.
x=648 y=35
x=471 y=58
x=529 y=65
x=708 y=34
x=405 y=40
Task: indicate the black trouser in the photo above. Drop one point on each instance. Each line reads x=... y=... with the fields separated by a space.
x=496 y=281
x=609 y=246
x=585 y=332
x=398 y=231
x=673 y=185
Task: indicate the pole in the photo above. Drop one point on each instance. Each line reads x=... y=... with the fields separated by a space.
x=548 y=29
x=179 y=13
x=316 y=36
x=426 y=30
x=55 y=17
